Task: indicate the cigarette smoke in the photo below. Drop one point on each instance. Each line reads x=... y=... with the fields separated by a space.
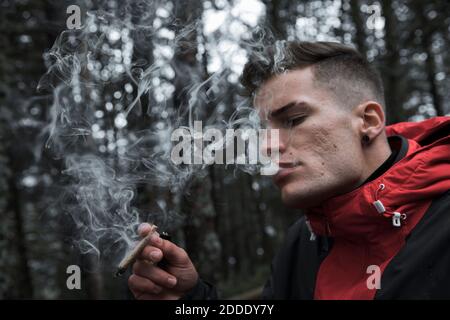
x=113 y=111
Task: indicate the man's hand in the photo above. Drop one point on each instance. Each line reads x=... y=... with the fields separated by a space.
x=150 y=282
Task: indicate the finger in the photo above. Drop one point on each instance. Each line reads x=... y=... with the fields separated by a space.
x=144 y=229
x=152 y=254
x=139 y=284
x=171 y=252
x=156 y=275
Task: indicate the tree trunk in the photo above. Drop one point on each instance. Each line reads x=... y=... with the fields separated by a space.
x=430 y=66
x=24 y=281
x=360 y=33
x=272 y=12
x=394 y=98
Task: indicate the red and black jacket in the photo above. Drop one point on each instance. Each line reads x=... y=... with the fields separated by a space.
x=399 y=222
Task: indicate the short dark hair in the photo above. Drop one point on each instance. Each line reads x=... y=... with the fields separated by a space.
x=340 y=68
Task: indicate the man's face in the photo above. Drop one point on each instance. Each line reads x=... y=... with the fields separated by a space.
x=320 y=149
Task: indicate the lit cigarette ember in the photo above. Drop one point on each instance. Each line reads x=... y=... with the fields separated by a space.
x=131 y=257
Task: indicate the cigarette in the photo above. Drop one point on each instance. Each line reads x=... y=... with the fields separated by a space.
x=131 y=257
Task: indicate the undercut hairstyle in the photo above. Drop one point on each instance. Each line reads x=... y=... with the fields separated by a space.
x=339 y=68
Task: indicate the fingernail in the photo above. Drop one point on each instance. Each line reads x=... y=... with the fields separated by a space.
x=155 y=254
x=156 y=239
x=142 y=226
x=172 y=281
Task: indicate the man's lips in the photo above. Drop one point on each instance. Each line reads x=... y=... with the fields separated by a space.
x=285 y=170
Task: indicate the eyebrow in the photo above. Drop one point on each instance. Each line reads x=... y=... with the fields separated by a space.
x=277 y=113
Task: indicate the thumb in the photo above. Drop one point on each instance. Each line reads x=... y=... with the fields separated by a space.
x=144 y=229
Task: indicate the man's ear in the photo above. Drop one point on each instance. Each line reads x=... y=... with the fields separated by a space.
x=372 y=119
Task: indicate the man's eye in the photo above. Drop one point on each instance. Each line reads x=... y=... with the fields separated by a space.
x=294 y=121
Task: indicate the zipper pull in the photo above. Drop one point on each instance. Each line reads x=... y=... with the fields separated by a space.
x=379 y=206
x=396 y=222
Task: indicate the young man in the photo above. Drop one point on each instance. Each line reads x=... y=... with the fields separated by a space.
x=376 y=199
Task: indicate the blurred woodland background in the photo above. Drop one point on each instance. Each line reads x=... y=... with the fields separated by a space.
x=230 y=222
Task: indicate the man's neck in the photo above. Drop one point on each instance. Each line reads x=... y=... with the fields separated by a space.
x=375 y=155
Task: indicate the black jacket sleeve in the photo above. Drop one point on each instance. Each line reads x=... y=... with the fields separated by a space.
x=203 y=290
